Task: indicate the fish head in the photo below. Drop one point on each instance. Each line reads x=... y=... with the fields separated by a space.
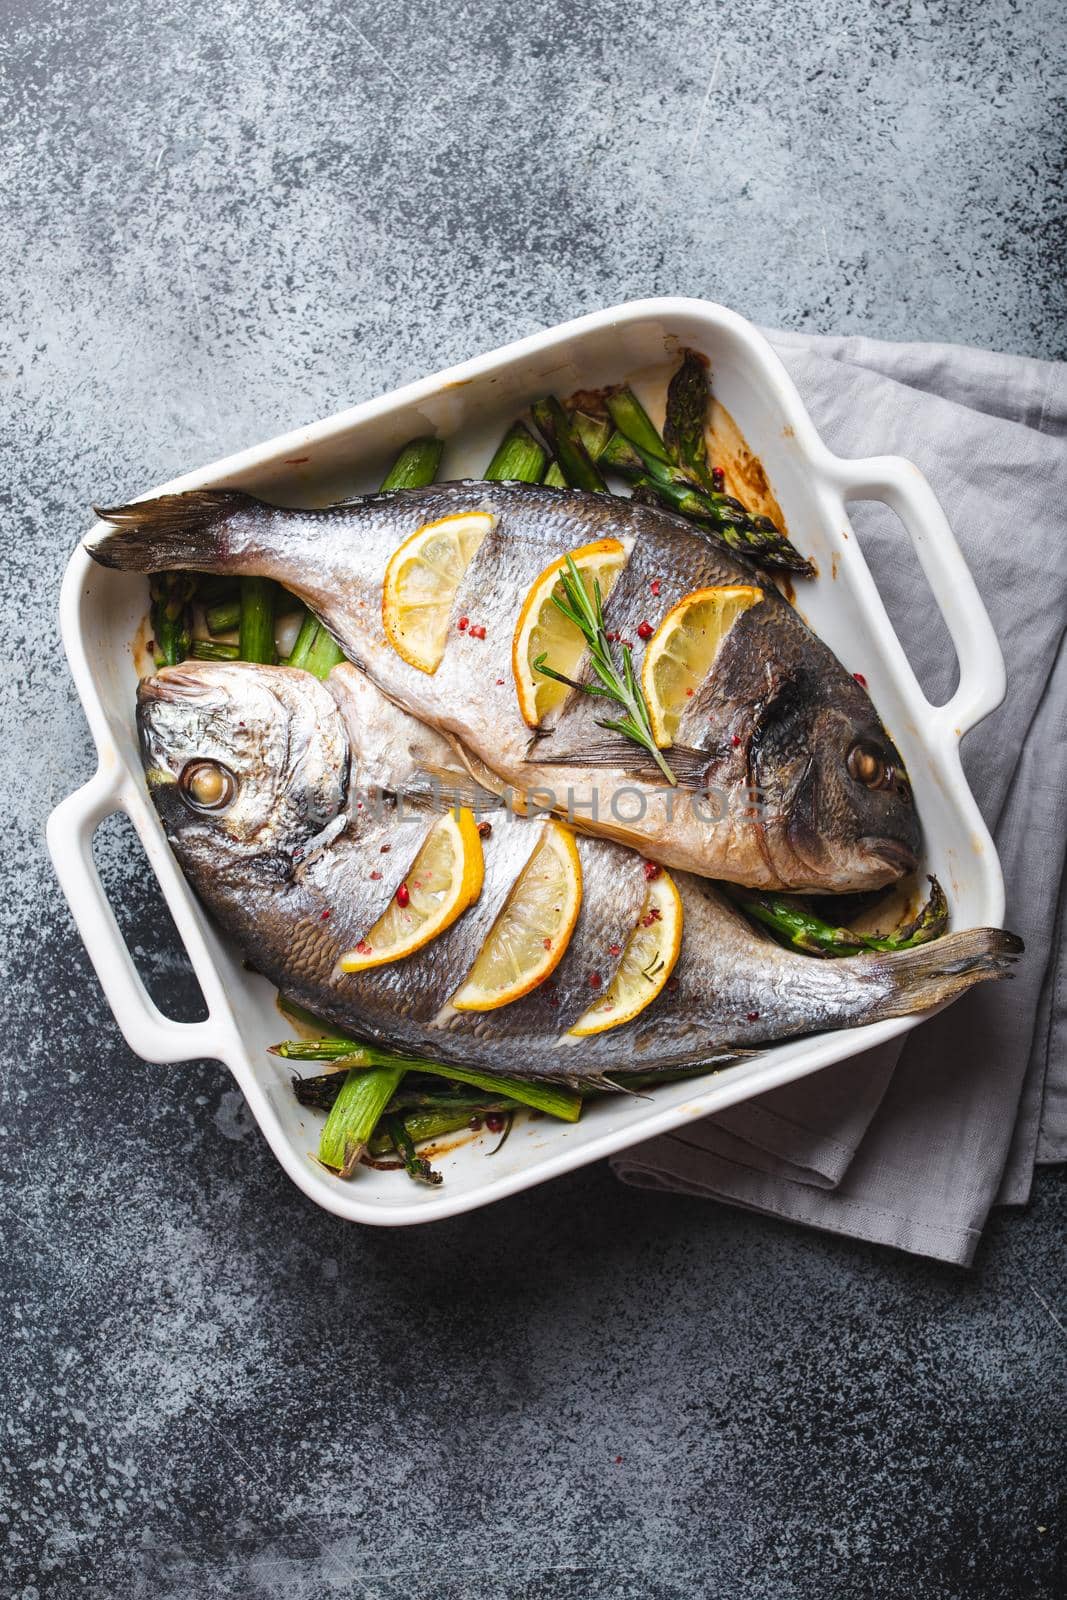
x=835 y=795
x=244 y=759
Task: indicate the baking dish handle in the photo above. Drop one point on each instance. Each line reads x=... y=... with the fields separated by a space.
x=70 y=841
x=900 y=485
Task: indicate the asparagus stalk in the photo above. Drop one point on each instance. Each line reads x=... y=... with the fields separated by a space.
x=416 y=1166
x=795 y=925
x=258 y=599
x=553 y=1098
x=518 y=459
x=298 y=655
x=594 y=432
x=554 y=478
x=324 y=654
x=563 y=440
x=171 y=615
x=684 y=428
x=415 y=466
x=720 y=514
x=422 y=1125
x=634 y=423
x=224 y=617
x=320 y=1092
x=354 y=1117
x=212 y=650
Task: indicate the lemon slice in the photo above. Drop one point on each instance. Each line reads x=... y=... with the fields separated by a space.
x=681 y=652
x=443 y=880
x=421 y=582
x=533 y=930
x=543 y=630
x=647 y=961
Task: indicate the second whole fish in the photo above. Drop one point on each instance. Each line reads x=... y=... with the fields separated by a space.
x=295 y=864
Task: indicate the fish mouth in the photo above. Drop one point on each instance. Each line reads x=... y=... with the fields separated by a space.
x=171 y=683
x=894 y=852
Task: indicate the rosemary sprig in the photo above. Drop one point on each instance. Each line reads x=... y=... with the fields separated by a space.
x=586 y=613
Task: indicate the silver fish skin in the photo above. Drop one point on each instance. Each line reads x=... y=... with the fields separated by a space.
x=317 y=831
x=770 y=797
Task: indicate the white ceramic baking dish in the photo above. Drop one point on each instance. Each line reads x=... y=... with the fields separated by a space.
x=468 y=406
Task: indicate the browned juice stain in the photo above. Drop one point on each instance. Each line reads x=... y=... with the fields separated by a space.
x=743 y=471
x=143 y=660
x=444 y=1147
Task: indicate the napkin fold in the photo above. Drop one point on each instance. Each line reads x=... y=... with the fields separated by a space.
x=913 y=1143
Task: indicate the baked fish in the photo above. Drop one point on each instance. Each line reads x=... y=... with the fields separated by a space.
x=788 y=779
x=297 y=808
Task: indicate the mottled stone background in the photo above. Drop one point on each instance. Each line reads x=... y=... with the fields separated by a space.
x=221 y=220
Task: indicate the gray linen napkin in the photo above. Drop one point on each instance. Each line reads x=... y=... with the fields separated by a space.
x=911 y=1145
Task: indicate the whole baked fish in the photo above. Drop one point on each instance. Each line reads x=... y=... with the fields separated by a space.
x=790 y=779
x=264 y=779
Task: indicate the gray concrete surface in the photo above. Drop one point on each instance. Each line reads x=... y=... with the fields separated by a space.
x=221 y=220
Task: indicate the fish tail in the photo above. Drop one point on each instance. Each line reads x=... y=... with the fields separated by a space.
x=176 y=531
x=930 y=974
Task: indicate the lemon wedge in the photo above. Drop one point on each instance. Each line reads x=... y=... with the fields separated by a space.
x=681 y=652
x=543 y=630
x=647 y=961
x=443 y=880
x=530 y=935
x=421 y=582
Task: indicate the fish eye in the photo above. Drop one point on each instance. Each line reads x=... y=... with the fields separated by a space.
x=207 y=785
x=869 y=768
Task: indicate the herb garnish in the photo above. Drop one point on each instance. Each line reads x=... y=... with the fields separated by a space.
x=586 y=612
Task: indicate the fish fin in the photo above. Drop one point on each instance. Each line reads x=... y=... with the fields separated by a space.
x=688 y=765
x=445 y=787
x=173 y=531
x=930 y=974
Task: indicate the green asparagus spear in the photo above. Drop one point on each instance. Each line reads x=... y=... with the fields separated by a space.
x=518 y=459
x=224 y=617
x=324 y=654
x=422 y=1125
x=298 y=655
x=415 y=466
x=171 y=615
x=258 y=599
x=685 y=425
x=796 y=926
x=354 y=1117
x=634 y=423
x=212 y=650
x=719 y=514
x=416 y=1166
x=320 y=1091
x=553 y=1098
x=562 y=438
x=594 y=432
